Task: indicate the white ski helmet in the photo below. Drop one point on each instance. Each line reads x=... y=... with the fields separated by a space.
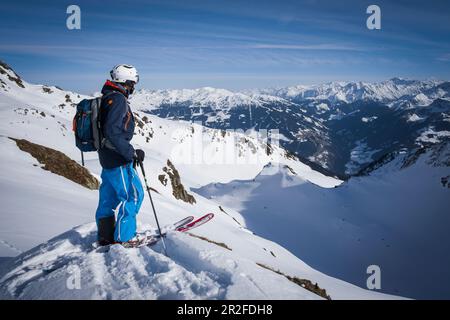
x=123 y=73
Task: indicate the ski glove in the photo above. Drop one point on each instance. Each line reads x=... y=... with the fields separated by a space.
x=139 y=155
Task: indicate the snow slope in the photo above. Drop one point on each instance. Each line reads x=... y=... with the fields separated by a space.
x=396 y=218
x=193 y=270
x=38 y=205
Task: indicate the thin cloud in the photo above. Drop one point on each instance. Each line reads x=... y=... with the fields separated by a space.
x=444 y=57
x=324 y=46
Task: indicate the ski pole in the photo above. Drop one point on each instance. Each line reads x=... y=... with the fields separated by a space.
x=153 y=207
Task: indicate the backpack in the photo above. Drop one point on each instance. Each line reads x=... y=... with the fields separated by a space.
x=87 y=126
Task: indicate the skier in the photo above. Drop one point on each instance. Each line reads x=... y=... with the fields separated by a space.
x=121 y=192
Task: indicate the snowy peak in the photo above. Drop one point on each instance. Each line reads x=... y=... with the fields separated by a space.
x=14 y=89
x=6 y=72
x=271 y=169
x=395 y=91
x=216 y=99
x=385 y=91
x=202 y=97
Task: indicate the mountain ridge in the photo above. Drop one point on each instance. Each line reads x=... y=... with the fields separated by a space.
x=335 y=137
x=333 y=125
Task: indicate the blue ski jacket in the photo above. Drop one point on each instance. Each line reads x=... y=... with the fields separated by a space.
x=117 y=126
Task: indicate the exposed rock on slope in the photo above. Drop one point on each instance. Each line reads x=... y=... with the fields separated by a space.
x=57 y=162
x=12 y=76
x=179 y=192
x=304 y=283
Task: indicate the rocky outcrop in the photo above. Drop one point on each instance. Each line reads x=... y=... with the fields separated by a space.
x=12 y=76
x=220 y=244
x=58 y=163
x=178 y=190
x=142 y=126
x=47 y=89
x=304 y=283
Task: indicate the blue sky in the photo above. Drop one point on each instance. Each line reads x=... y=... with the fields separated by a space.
x=225 y=43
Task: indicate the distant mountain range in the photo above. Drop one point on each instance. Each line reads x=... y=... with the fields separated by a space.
x=340 y=127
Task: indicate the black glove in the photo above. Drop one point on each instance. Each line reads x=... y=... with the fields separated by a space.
x=139 y=156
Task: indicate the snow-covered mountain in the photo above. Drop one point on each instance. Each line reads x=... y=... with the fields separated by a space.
x=418 y=92
x=216 y=99
x=223 y=259
x=279 y=227
x=393 y=215
x=310 y=118
x=389 y=91
x=223 y=109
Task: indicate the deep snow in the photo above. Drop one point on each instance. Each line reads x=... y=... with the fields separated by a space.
x=194 y=270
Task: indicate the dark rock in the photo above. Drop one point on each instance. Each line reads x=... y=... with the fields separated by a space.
x=15 y=78
x=304 y=283
x=178 y=190
x=58 y=163
x=47 y=89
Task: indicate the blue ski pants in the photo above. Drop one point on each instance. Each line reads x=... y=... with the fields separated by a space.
x=121 y=194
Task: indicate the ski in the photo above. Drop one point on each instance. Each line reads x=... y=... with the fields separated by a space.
x=171 y=226
x=177 y=224
x=182 y=225
x=196 y=223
